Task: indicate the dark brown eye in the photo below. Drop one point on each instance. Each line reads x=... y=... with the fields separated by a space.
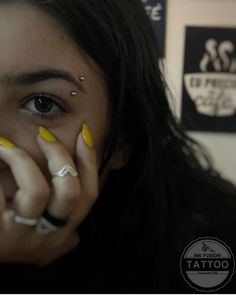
x=43 y=104
x=44 y=107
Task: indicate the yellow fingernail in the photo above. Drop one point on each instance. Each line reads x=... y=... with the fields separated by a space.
x=87 y=135
x=46 y=135
x=6 y=143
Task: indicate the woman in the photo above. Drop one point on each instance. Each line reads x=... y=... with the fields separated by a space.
x=101 y=190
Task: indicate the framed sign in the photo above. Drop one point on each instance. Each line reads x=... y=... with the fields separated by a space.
x=209 y=79
x=156 y=10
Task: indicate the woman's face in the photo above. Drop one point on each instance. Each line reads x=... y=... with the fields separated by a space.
x=32 y=43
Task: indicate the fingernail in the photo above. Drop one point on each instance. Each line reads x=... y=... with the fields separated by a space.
x=6 y=143
x=87 y=135
x=46 y=135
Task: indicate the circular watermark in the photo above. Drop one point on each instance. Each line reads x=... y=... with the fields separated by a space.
x=207 y=264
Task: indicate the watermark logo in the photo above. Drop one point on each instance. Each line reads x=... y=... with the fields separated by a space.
x=207 y=264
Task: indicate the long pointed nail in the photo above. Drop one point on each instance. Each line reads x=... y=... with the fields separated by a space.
x=87 y=135
x=6 y=143
x=46 y=135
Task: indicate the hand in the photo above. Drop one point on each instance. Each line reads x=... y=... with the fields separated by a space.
x=68 y=197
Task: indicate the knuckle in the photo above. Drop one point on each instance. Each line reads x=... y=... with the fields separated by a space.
x=39 y=193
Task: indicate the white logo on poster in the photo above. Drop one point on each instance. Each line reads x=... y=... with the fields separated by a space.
x=214 y=93
x=218 y=56
x=153 y=11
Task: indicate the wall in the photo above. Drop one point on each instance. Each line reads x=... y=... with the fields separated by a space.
x=205 y=100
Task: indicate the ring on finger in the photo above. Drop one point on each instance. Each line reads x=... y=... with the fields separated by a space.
x=48 y=223
x=66 y=169
x=23 y=220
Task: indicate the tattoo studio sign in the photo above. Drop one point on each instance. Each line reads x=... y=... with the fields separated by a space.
x=156 y=10
x=209 y=82
x=207 y=264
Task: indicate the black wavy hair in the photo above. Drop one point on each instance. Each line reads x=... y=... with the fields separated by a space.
x=136 y=213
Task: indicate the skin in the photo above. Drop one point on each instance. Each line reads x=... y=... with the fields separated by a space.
x=32 y=41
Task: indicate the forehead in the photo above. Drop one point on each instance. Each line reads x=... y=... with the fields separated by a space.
x=31 y=38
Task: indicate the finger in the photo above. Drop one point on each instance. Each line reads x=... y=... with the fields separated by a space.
x=71 y=243
x=65 y=190
x=32 y=195
x=87 y=165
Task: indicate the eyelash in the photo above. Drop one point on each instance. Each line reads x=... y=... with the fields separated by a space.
x=42 y=116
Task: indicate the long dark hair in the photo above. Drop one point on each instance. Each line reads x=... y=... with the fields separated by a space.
x=137 y=206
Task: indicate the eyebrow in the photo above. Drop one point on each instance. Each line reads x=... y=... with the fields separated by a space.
x=40 y=76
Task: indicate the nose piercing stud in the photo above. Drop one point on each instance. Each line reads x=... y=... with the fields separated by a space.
x=82 y=78
x=73 y=93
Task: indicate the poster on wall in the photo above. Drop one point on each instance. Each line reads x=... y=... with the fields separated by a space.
x=156 y=10
x=209 y=79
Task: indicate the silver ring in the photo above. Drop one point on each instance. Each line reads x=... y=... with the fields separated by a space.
x=44 y=227
x=23 y=220
x=66 y=169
